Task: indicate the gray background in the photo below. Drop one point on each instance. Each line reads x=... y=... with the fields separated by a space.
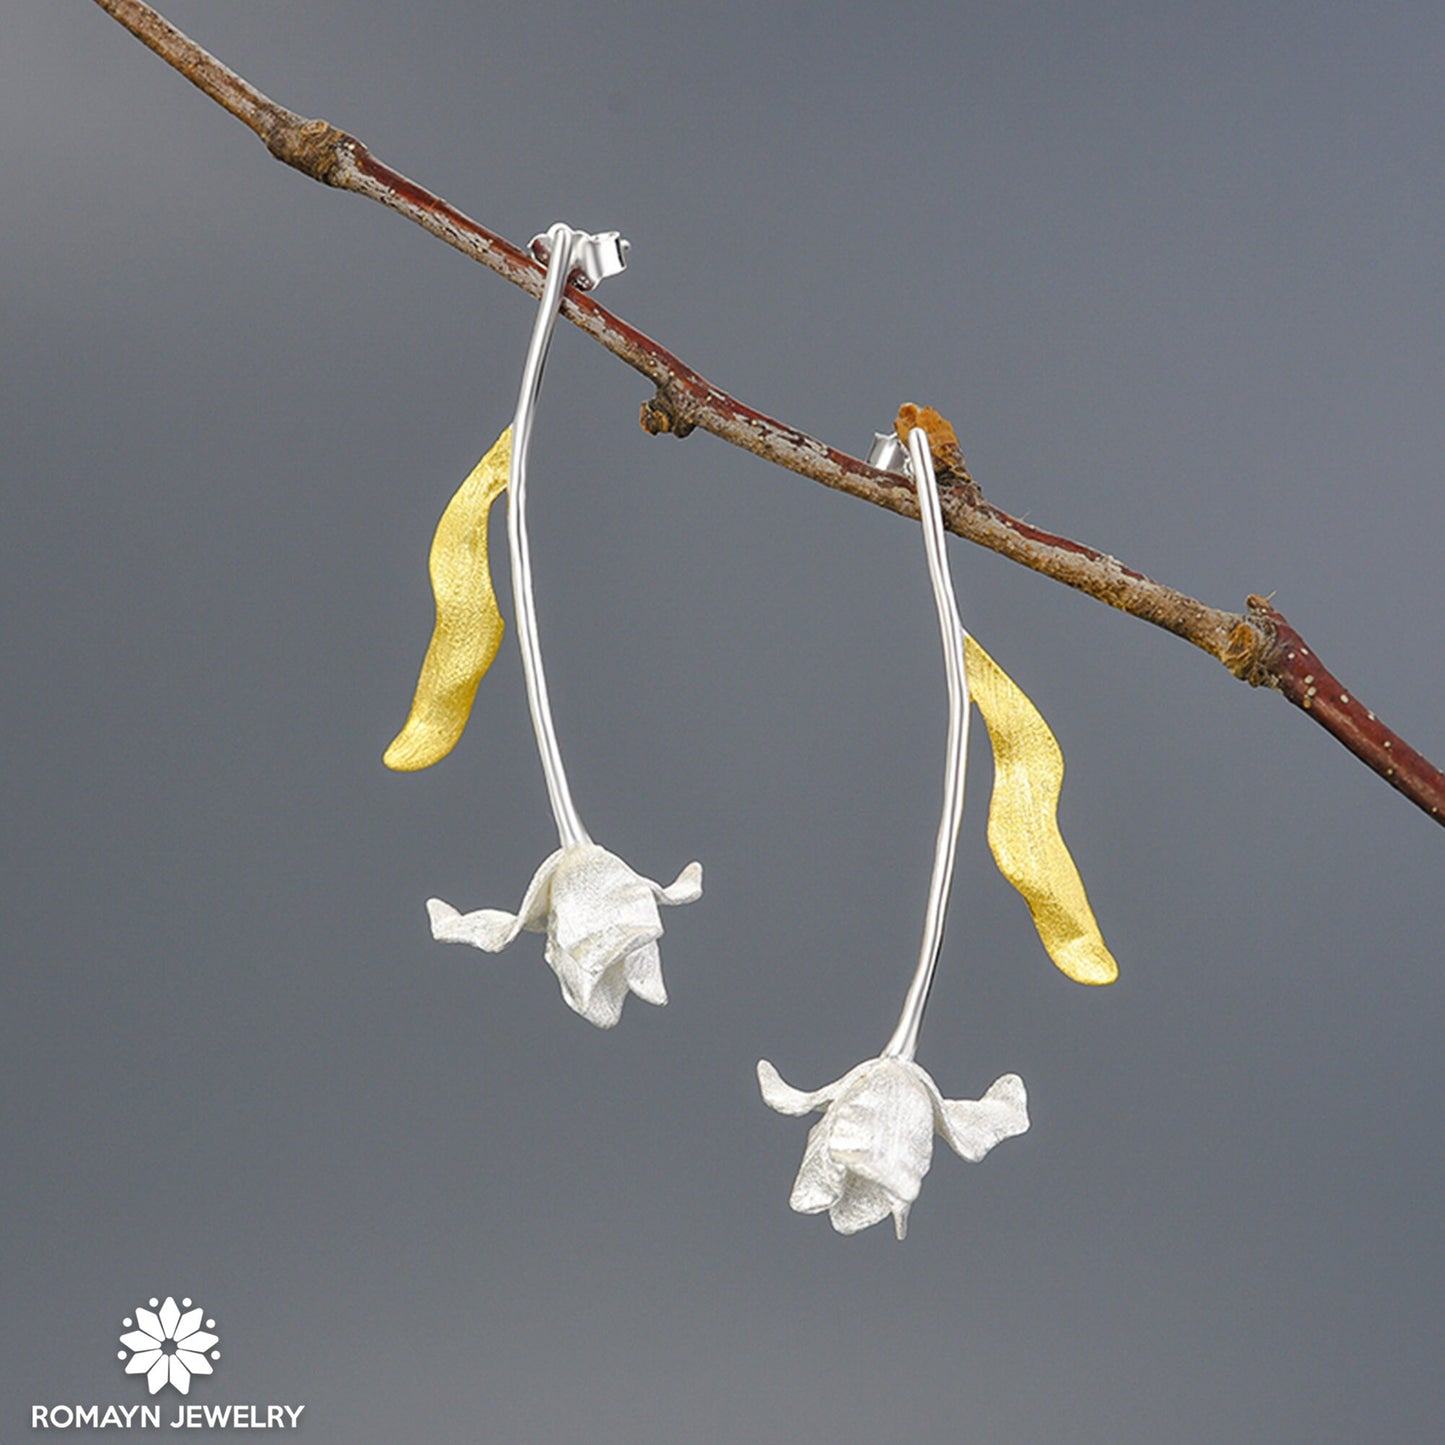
x=1174 y=271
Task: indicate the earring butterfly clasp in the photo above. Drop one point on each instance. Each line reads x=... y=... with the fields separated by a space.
x=594 y=257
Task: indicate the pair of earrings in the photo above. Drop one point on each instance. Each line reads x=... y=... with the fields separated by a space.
x=866 y=1158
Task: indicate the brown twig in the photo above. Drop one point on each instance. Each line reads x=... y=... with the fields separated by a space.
x=1287 y=665
x=1258 y=646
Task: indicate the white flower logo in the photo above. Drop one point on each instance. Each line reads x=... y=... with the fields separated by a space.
x=168 y=1347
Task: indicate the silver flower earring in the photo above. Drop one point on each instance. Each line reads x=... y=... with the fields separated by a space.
x=867 y=1156
x=601 y=918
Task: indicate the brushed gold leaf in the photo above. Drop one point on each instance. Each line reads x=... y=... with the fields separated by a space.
x=469 y=626
x=1023 y=828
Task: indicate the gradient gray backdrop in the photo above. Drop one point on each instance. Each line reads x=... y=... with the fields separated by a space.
x=1175 y=272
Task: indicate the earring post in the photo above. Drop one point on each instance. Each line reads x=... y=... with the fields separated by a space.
x=584 y=259
x=904 y=1042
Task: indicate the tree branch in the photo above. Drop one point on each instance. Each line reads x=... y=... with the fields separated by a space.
x=1258 y=646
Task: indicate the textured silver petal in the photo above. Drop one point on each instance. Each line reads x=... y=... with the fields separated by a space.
x=785 y=1098
x=603 y=1006
x=685 y=888
x=487 y=928
x=861 y=1205
x=821 y=1180
x=973 y=1127
x=881 y=1128
x=643 y=969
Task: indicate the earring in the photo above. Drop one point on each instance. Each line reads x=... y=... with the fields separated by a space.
x=600 y=917
x=867 y=1156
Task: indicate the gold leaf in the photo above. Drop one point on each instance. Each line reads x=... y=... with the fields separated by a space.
x=469 y=626
x=1023 y=828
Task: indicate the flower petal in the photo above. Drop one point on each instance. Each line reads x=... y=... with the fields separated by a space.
x=170 y=1317
x=159 y=1373
x=643 y=970
x=490 y=928
x=187 y=1324
x=862 y=1204
x=881 y=1128
x=537 y=900
x=180 y=1376
x=589 y=959
x=601 y=1001
x=821 y=1180
x=685 y=888
x=198 y=1340
x=576 y=986
x=602 y=914
x=487 y=928
x=150 y=1322
x=784 y=1097
x=596 y=896
x=138 y=1340
x=973 y=1127
x=196 y=1364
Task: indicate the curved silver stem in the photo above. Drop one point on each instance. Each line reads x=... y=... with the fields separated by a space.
x=570 y=831
x=904 y=1043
